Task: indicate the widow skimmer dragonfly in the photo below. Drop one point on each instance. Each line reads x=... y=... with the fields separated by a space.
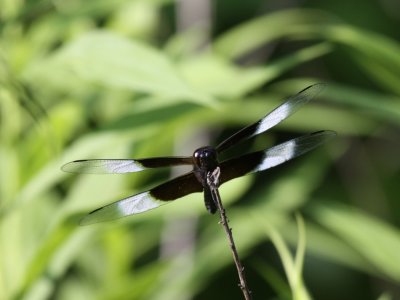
x=204 y=160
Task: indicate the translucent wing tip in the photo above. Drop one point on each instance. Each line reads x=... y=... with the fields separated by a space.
x=71 y=167
x=103 y=214
x=83 y=166
x=327 y=133
x=314 y=89
x=320 y=137
x=90 y=218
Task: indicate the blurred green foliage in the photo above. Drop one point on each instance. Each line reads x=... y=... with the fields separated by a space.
x=119 y=79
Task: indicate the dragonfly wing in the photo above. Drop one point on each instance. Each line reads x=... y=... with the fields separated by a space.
x=283 y=152
x=289 y=107
x=263 y=160
x=160 y=195
x=107 y=166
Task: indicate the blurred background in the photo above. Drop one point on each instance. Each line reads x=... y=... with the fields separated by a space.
x=131 y=79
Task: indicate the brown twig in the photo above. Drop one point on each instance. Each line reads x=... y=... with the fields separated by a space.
x=213 y=182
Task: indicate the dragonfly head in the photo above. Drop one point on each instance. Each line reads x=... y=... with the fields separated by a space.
x=205 y=158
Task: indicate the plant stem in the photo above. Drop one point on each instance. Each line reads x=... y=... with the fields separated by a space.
x=213 y=182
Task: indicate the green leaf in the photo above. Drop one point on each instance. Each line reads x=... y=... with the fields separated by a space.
x=113 y=61
x=375 y=240
x=293 y=266
x=217 y=76
x=251 y=35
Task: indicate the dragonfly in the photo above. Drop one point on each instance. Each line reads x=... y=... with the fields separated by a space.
x=204 y=160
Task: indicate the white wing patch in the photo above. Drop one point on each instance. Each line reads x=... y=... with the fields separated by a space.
x=292 y=104
x=275 y=117
x=129 y=206
x=103 y=166
x=137 y=204
x=123 y=166
x=277 y=155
